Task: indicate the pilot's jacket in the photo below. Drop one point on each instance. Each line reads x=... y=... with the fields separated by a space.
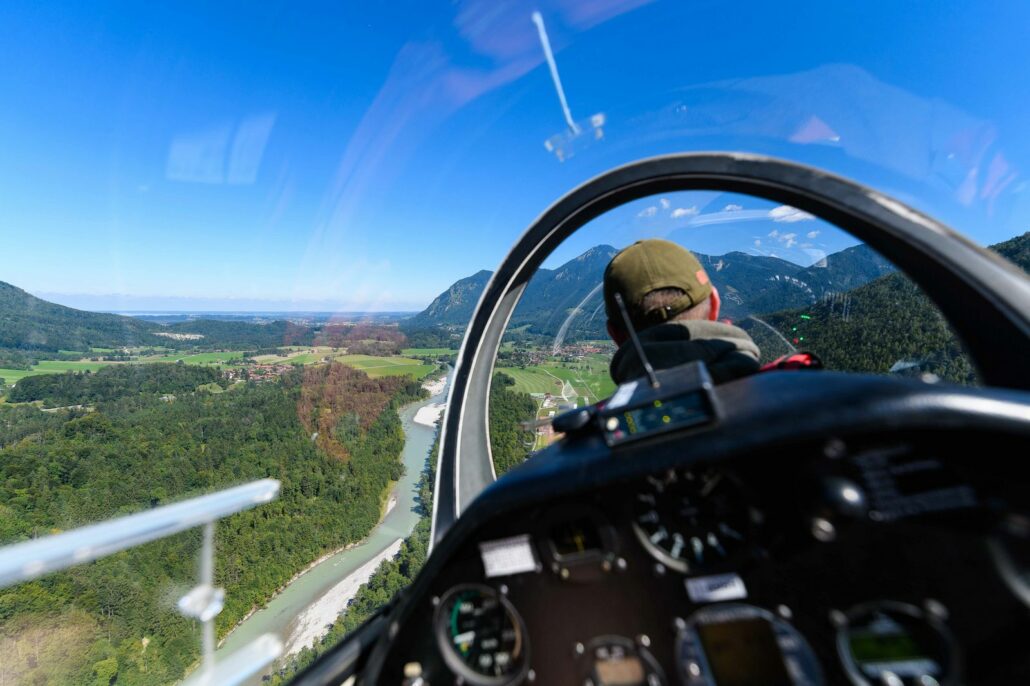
x=727 y=351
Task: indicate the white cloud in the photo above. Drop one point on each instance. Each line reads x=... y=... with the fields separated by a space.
x=758 y=242
x=789 y=239
x=774 y=233
x=812 y=234
x=648 y=211
x=733 y=208
x=680 y=212
x=788 y=214
x=664 y=203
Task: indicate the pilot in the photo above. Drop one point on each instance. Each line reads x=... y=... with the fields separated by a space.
x=675 y=310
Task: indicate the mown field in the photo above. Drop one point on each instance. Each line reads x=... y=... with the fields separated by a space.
x=373 y=366
x=428 y=351
x=587 y=379
x=532 y=380
x=49 y=367
x=370 y=364
x=197 y=358
x=386 y=366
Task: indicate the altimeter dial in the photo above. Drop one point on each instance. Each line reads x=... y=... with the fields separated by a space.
x=693 y=521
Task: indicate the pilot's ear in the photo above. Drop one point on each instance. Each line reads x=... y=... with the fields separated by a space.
x=713 y=311
x=617 y=334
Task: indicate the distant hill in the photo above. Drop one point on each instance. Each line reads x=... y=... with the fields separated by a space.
x=747 y=283
x=32 y=325
x=29 y=323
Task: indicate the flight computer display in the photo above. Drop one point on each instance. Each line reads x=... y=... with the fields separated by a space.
x=681 y=397
x=744 y=652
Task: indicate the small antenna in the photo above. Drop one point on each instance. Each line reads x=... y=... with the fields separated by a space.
x=636 y=341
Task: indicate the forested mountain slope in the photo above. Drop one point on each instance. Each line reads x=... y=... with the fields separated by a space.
x=29 y=323
x=887 y=324
x=455 y=305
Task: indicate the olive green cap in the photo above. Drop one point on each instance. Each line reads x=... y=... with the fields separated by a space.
x=650 y=265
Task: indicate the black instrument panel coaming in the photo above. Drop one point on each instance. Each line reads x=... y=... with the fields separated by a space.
x=628 y=593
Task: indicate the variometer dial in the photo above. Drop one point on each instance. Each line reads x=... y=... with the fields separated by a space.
x=896 y=643
x=693 y=521
x=481 y=636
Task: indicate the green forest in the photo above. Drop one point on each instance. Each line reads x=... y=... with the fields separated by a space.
x=111 y=383
x=113 y=621
x=510 y=442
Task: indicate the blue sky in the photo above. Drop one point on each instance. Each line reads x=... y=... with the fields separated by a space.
x=269 y=156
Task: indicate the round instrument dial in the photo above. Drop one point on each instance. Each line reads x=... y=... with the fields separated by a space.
x=744 y=644
x=897 y=644
x=618 y=661
x=481 y=636
x=693 y=521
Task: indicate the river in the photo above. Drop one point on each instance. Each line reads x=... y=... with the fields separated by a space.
x=285 y=615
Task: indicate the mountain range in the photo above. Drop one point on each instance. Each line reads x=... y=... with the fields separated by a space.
x=748 y=284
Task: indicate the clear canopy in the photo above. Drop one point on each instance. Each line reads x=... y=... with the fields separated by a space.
x=278 y=192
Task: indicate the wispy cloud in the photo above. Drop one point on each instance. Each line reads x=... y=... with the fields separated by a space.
x=648 y=211
x=664 y=202
x=789 y=240
x=681 y=212
x=733 y=208
x=812 y=234
x=788 y=214
x=758 y=242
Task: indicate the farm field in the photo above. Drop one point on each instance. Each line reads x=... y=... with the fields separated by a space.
x=386 y=366
x=196 y=358
x=296 y=358
x=428 y=351
x=587 y=379
x=296 y=354
x=370 y=364
x=532 y=380
x=49 y=367
x=373 y=366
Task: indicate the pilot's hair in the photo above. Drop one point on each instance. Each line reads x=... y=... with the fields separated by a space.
x=664 y=297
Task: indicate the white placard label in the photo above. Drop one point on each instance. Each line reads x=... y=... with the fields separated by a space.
x=622 y=395
x=507 y=556
x=715 y=588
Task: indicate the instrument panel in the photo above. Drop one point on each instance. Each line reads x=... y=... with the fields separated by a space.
x=737 y=575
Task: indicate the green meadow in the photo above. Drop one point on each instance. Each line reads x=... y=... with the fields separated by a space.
x=435 y=352
x=49 y=367
x=588 y=378
x=386 y=366
x=196 y=358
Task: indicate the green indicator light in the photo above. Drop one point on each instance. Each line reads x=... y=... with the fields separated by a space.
x=806 y=316
x=802 y=338
x=666 y=419
x=793 y=328
x=657 y=403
